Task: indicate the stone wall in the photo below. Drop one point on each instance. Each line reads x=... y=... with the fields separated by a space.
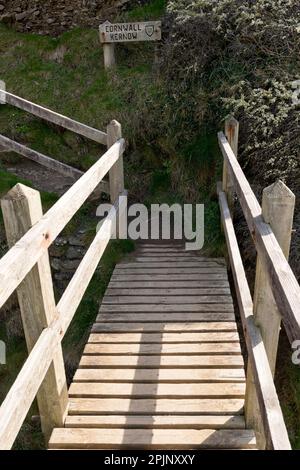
x=56 y=16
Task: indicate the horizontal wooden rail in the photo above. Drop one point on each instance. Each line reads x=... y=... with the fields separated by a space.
x=17 y=402
x=12 y=146
x=20 y=259
x=62 y=168
x=55 y=118
x=274 y=426
x=285 y=287
x=21 y=395
x=73 y=294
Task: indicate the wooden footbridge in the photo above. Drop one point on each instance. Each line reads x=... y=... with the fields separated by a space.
x=162 y=368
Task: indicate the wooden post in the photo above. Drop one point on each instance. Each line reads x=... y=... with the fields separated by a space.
x=116 y=174
x=278 y=204
x=109 y=55
x=21 y=209
x=232 y=135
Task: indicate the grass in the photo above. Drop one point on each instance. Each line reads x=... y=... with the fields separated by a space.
x=151 y=11
x=66 y=74
x=8 y=181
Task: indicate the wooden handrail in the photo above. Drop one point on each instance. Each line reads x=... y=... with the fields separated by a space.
x=13 y=409
x=10 y=145
x=20 y=259
x=285 y=287
x=275 y=430
x=55 y=118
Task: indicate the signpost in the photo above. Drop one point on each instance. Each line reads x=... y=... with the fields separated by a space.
x=126 y=32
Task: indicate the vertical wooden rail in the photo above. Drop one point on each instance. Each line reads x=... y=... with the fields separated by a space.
x=21 y=209
x=232 y=135
x=116 y=174
x=278 y=205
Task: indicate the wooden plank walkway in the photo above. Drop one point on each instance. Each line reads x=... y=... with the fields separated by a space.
x=162 y=368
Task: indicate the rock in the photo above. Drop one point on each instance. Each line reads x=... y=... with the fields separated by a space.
x=70 y=265
x=56 y=251
x=83 y=231
x=60 y=241
x=21 y=16
x=76 y=241
x=55 y=264
x=50 y=20
x=63 y=276
x=75 y=253
x=2 y=7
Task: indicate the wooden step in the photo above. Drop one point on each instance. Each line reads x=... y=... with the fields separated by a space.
x=160 y=375
x=167 y=299
x=82 y=438
x=163 y=361
x=144 y=390
x=168 y=308
x=132 y=317
x=190 y=276
x=169 y=270
x=156 y=422
x=158 y=406
x=173 y=338
x=161 y=263
x=172 y=327
x=200 y=284
x=160 y=292
x=162 y=349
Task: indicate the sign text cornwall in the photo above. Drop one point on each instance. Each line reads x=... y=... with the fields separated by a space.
x=129 y=32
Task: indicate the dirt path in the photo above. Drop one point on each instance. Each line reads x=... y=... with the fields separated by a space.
x=41 y=178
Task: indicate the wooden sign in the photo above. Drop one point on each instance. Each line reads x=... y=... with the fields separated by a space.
x=130 y=32
x=111 y=33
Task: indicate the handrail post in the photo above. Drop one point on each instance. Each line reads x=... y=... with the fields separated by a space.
x=232 y=135
x=21 y=209
x=116 y=174
x=278 y=204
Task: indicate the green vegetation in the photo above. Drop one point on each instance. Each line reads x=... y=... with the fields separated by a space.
x=151 y=11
